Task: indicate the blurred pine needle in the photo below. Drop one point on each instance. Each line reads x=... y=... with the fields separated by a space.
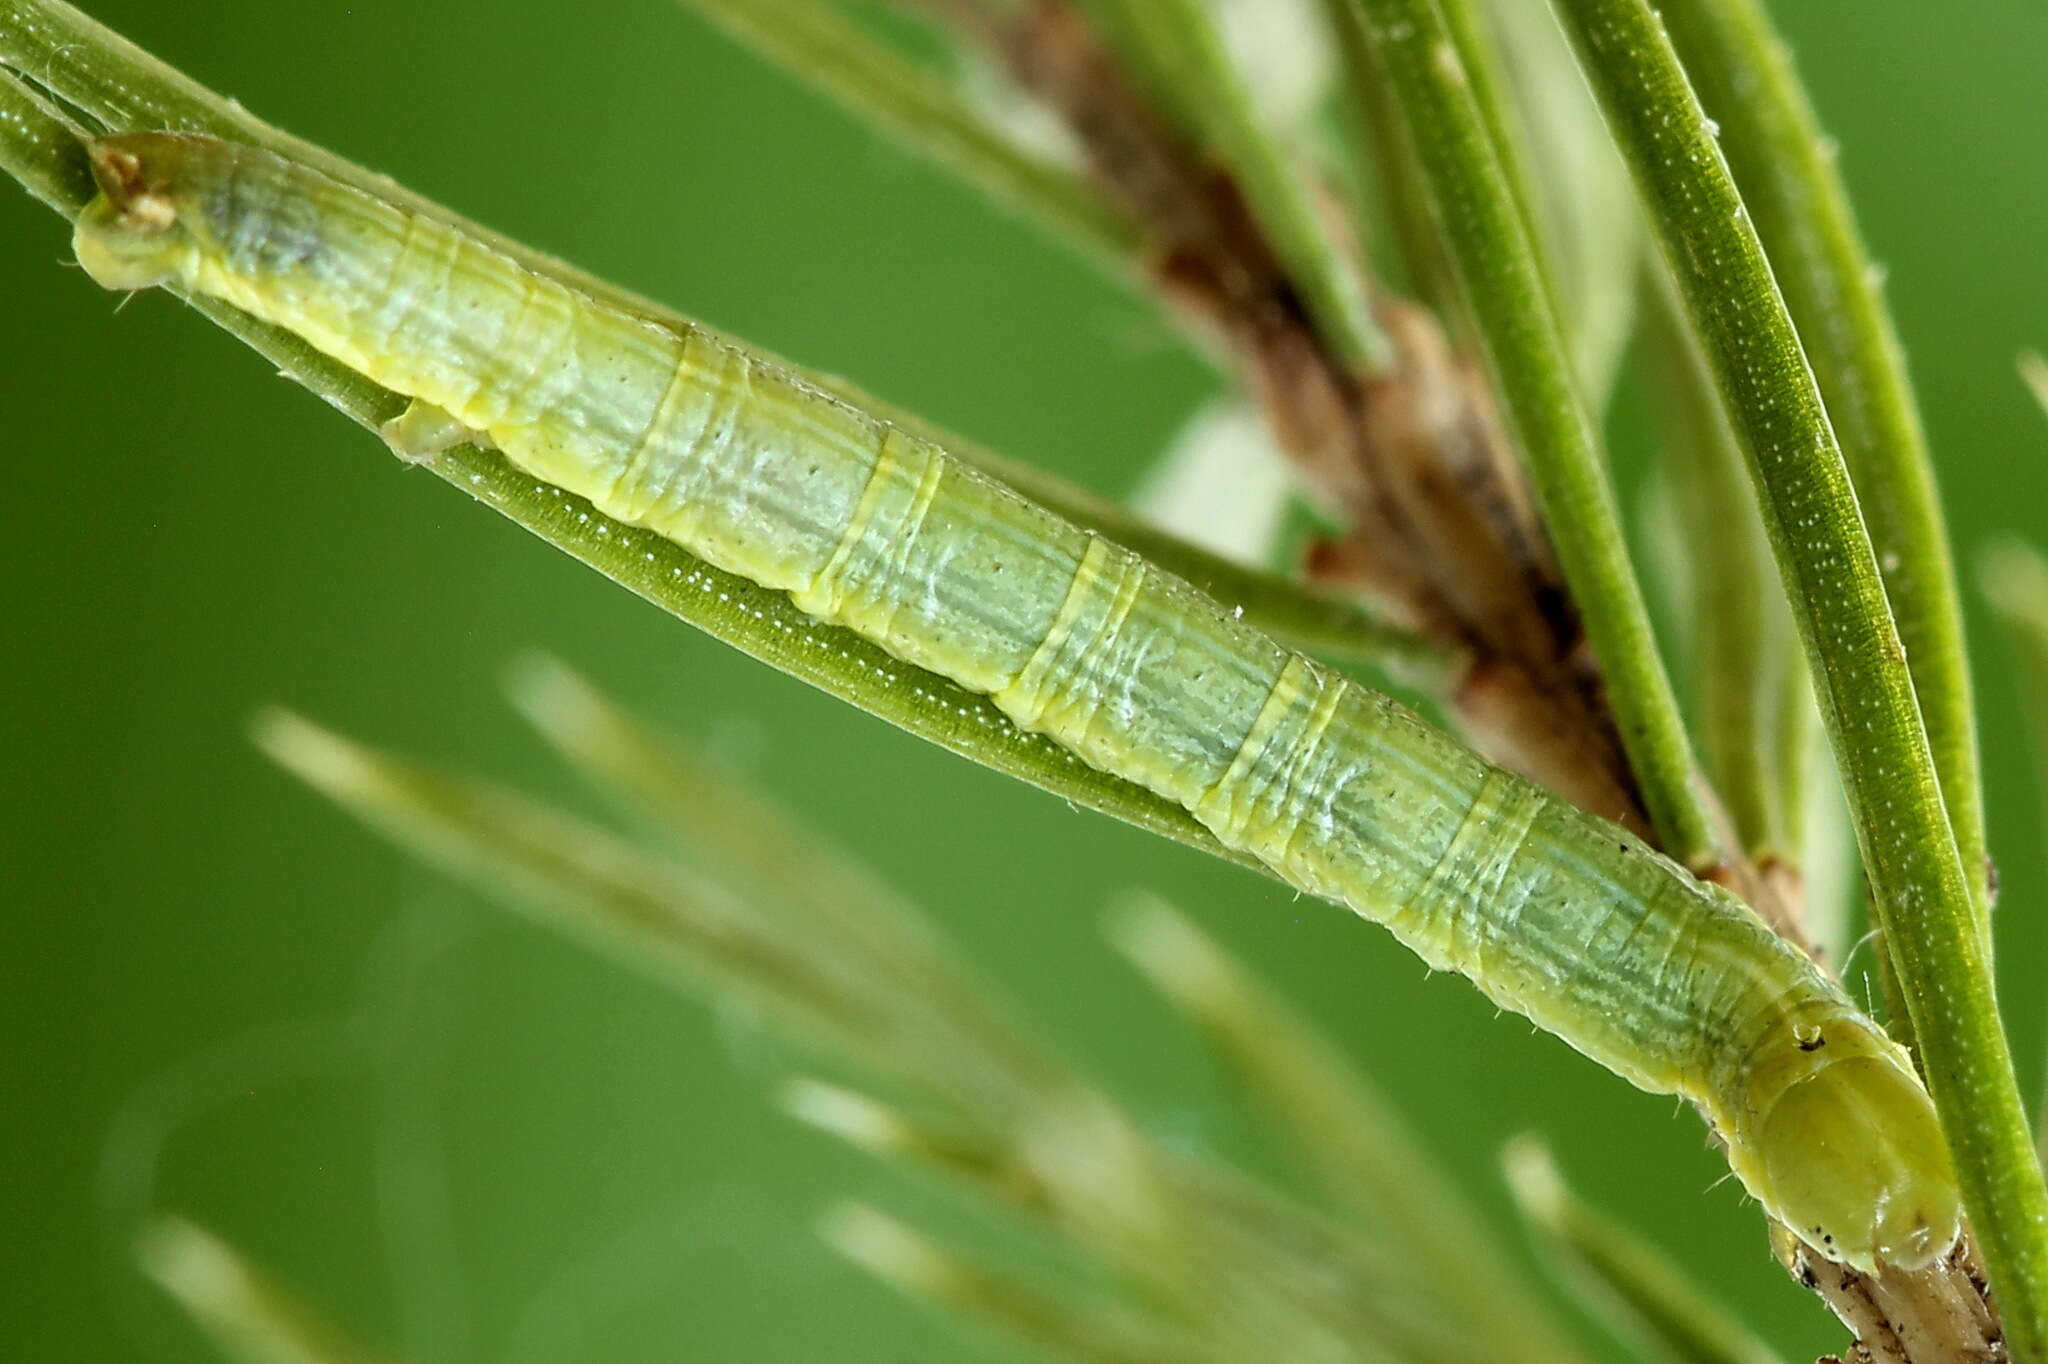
x=1162 y=1253
x=248 y=1317
x=1627 y=1279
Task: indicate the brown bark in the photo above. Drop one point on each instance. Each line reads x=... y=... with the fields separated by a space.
x=1439 y=530
x=1942 y=1315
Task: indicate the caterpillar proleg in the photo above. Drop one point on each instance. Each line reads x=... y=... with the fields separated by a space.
x=1553 y=913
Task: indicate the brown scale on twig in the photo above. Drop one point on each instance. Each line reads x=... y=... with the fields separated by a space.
x=1439 y=527
x=1945 y=1313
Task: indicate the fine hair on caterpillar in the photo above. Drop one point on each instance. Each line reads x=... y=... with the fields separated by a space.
x=1670 y=983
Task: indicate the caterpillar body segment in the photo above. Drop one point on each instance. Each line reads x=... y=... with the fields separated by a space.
x=1553 y=913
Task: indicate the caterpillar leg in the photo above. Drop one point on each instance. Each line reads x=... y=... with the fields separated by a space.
x=423 y=431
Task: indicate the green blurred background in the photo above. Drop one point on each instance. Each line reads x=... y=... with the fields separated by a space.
x=543 y=1158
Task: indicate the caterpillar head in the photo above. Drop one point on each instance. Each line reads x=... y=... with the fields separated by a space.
x=136 y=233
x=1838 y=1140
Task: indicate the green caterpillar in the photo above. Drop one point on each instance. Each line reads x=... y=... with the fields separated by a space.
x=1555 y=914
